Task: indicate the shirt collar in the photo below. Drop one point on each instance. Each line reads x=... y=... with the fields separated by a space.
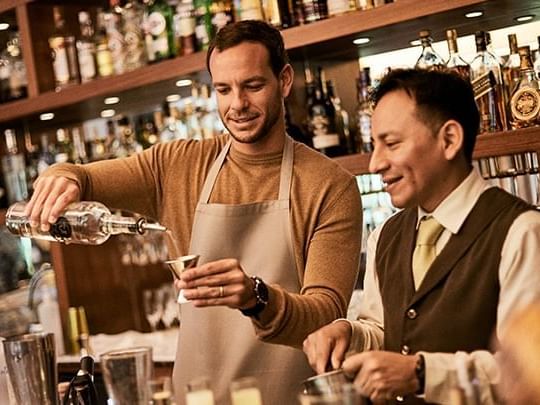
x=454 y=209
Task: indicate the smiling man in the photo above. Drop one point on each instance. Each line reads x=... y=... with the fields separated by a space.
x=444 y=273
x=277 y=225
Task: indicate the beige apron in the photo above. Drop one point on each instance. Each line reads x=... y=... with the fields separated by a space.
x=220 y=342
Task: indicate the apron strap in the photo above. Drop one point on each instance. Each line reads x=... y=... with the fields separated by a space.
x=285 y=172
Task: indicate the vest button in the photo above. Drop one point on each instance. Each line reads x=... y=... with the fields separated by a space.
x=411 y=313
x=405 y=349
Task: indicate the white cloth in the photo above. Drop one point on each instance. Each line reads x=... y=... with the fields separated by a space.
x=519 y=278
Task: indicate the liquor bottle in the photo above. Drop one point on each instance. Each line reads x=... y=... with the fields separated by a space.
x=203 y=24
x=148 y=132
x=322 y=121
x=126 y=144
x=104 y=57
x=83 y=222
x=32 y=159
x=294 y=131
x=511 y=69
x=113 y=26
x=486 y=79
x=342 y=121
x=81 y=389
x=207 y=118
x=429 y=59
x=251 y=10
x=364 y=111
x=133 y=21
x=221 y=12
x=314 y=10
x=525 y=102
x=455 y=62
x=46 y=157
x=170 y=131
x=80 y=155
x=160 y=25
x=18 y=81
x=185 y=27
x=14 y=169
x=5 y=73
x=288 y=13
x=64 y=52
x=86 y=48
x=338 y=7
x=63 y=147
x=537 y=60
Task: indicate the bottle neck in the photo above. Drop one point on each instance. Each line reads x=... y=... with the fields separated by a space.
x=118 y=224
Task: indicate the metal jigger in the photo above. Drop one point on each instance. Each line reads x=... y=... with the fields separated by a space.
x=180 y=264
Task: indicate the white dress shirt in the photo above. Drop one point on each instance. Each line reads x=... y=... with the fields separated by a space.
x=519 y=278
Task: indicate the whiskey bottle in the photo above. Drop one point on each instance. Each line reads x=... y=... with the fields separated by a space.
x=487 y=84
x=14 y=169
x=455 y=62
x=160 y=25
x=63 y=147
x=64 y=52
x=251 y=10
x=104 y=57
x=18 y=81
x=132 y=23
x=84 y=222
x=511 y=69
x=185 y=27
x=364 y=111
x=525 y=101
x=429 y=59
x=86 y=48
x=46 y=157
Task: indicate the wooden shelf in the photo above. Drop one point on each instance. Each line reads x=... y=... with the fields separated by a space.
x=487 y=145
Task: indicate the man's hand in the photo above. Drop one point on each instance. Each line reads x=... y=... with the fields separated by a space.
x=328 y=343
x=222 y=282
x=51 y=196
x=382 y=375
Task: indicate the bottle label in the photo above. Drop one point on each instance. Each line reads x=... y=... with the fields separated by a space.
x=61 y=229
x=186 y=26
x=156 y=23
x=60 y=60
x=323 y=141
x=525 y=104
x=86 y=61
x=104 y=61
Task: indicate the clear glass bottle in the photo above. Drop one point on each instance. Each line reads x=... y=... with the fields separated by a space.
x=342 y=121
x=511 y=69
x=132 y=29
x=363 y=112
x=525 y=101
x=160 y=26
x=64 y=52
x=18 y=81
x=84 y=222
x=86 y=48
x=429 y=59
x=14 y=169
x=5 y=73
x=455 y=62
x=251 y=10
x=486 y=78
x=104 y=57
x=46 y=157
x=185 y=27
x=63 y=147
x=113 y=25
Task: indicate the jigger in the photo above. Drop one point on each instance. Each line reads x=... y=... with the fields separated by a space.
x=177 y=266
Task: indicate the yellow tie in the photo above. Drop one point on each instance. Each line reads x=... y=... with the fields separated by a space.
x=424 y=253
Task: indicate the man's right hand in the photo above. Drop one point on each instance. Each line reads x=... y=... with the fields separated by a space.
x=52 y=194
x=328 y=345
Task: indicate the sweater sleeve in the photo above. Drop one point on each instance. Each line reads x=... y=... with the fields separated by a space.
x=328 y=278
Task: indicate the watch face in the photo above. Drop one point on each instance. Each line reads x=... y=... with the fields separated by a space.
x=261 y=291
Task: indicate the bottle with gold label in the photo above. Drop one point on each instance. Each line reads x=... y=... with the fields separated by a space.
x=64 y=52
x=104 y=57
x=455 y=62
x=525 y=101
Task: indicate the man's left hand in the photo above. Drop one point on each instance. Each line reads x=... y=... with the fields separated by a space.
x=382 y=375
x=222 y=282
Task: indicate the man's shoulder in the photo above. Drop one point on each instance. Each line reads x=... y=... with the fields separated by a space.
x=309 y=161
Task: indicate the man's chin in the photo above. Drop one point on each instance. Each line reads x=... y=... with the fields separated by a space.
x=246 y=137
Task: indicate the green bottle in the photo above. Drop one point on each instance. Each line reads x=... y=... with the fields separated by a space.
x=161 y=28
x=203 y=24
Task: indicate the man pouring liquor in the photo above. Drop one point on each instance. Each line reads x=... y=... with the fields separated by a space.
x=277 y=225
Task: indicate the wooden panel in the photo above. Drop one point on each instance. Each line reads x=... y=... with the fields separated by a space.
x=27 y=46
x=356 y=164
x=6 y=5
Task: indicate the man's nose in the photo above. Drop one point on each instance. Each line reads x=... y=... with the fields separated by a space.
x=239 y=101
x=377 y=162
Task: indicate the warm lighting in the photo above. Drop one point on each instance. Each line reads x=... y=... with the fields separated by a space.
x=415 y=42
x=111 y=100
x=361 y=41
x=524 y=18
x=183 y=83
x=107 y=113
x=46 y=116
x=171 y=98
x=4 y=26
x=474 y=14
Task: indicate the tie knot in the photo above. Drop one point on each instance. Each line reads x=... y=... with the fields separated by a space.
x=428 y=231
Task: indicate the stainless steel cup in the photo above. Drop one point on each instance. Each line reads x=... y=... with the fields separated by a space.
x=177 y=266
x=126 y=374
x=331 y=382
x=31 y=363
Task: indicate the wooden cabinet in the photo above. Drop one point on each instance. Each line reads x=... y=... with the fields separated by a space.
x=94 y=276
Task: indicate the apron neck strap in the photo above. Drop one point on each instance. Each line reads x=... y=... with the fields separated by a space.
x=285 y=174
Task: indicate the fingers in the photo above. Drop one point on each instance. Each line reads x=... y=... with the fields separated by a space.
x=215 y=268
x=328 y=343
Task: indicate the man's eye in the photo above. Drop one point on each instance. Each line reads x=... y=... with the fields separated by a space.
x=222 y=90
x=255 y=87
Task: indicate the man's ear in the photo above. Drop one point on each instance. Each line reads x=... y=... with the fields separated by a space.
x=286 y=78
x=452 y=137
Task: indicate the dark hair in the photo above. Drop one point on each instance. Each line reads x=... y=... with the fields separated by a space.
x=251 y=31
x=440 y=96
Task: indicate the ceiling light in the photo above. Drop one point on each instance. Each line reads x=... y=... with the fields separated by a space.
x=361 y=41
x=4 y=26
x=171 y=98
x=111 y=100
x=474 y=14
x=183 y=83
x=46 y=116
x=524 y=18
x=107 y=113
x=415 y=42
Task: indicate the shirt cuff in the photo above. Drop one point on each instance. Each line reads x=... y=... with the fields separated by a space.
x=356 y=344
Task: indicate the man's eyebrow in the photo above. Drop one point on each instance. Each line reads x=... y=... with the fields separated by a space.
x=247 y=81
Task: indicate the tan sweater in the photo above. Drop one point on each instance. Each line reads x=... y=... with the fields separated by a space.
x=165 y=181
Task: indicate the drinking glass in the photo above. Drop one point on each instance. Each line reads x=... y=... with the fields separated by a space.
x=199 y=392
x=347 y=396
x=245 y=391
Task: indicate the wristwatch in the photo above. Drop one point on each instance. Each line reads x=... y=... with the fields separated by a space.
x=261 y=295
x=420 y=371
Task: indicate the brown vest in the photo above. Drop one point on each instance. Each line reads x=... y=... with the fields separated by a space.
x=455 y=307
